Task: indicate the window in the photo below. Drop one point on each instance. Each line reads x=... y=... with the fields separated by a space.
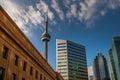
x=31 y=70
x=44 y=78
x=16 y=60
x=23 y=78
x=24 y=66
x=36 y=75
x=40 y=76
x=13 y=76
x=5 y=52
x=2 y=71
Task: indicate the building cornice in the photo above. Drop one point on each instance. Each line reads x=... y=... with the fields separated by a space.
x=12 y=30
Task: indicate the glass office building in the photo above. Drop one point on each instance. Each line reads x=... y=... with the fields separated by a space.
x=116 y=55
x=71 y=60
x=100 y=68
x=111 y=65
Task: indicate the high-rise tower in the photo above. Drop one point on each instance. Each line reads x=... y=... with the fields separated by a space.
x=100 y=68
x=45 y=38
x=116 y=55
x=111 y=65
x=71 y=60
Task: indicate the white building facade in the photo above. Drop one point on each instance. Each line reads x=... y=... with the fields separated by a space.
x=71 y=60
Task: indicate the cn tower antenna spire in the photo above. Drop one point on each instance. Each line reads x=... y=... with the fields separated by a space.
x=46 y=27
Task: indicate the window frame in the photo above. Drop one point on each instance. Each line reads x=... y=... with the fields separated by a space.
x=23 y=78
x=16 y=58
x=36 y=74
x=40 y=76
x=31 y=70
x=3 y=73
x=5 y=52
x=24 y=65
x=13 y=76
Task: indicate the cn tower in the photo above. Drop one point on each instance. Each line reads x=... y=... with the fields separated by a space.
x=45 y=38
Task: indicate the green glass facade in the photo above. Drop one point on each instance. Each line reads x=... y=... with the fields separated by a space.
x=111 y=65
x=116 y=55
x=77 y=61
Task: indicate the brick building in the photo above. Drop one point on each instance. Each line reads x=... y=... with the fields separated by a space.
x=19 y=59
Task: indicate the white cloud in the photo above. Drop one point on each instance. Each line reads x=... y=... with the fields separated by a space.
x=72 y=12
x=90 y=3
x=16 y=12
x=86 y=11
x=44 y=9
x=113 y=4
x=92 y=9
x=56 y=7
x=66 y=3
x=34 y=16
x=103 y=12
x=26 y=18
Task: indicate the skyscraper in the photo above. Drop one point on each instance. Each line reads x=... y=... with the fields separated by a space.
x=90 y=73
x=111 y=65
x=71 y=60
x=116 y=55
x=100 y=68
x=45 y=38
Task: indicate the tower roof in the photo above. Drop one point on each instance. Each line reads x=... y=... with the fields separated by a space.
x=45 y=36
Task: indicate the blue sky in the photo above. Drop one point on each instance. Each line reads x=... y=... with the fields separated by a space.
x=91 y=23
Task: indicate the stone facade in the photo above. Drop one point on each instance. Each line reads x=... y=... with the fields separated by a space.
x=19 y=59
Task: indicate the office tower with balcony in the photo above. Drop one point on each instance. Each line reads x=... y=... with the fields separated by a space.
x=71 y=60
x=100 y=68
